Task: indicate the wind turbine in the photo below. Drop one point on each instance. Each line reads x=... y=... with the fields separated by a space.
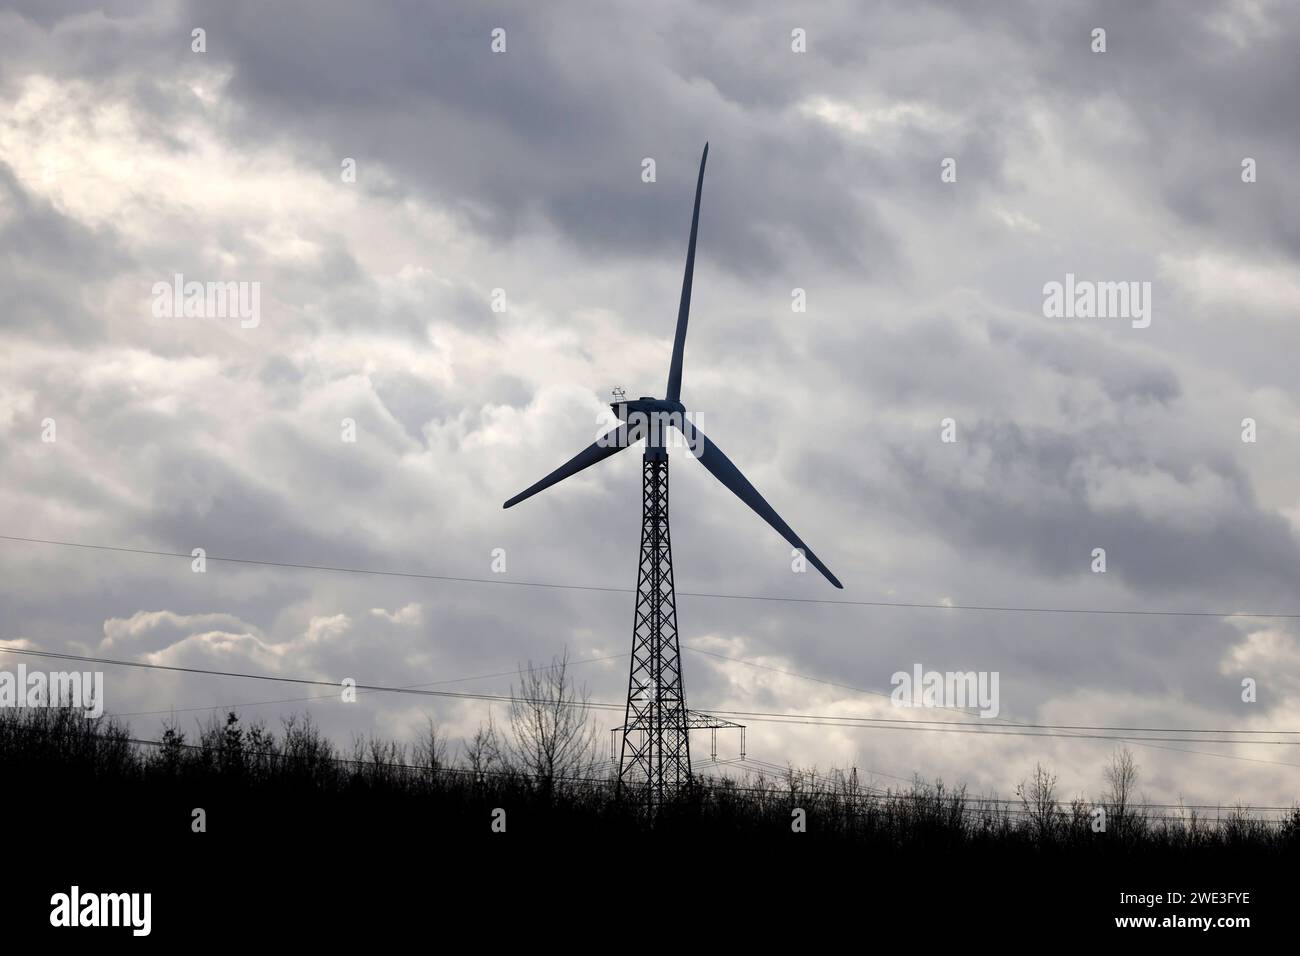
x=656 y=745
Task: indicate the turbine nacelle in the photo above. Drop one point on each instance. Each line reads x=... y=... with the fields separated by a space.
x=648 y=419
x=646 y=406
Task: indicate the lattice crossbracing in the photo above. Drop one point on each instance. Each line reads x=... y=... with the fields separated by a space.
x=656 y=751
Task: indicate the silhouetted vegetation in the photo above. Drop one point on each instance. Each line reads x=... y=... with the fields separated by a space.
x=249 y=778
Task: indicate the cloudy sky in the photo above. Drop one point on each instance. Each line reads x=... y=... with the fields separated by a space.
x=126 y=157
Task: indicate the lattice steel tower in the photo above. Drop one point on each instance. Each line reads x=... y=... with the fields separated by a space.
x=656 y=745
x=656 y=754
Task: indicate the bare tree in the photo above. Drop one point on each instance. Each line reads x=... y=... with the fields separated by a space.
x=1039 y=798
x=431 y=749
x=483 y=751
x=552 y=734
x=1121 y=785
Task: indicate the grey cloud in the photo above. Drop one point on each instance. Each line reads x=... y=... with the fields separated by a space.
x=45 y=257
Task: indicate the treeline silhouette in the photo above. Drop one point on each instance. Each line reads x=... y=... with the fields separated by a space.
x=294 y=783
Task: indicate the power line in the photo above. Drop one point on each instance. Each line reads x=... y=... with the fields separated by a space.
x=1006 y=719
x=1010 y=609
x=1137 y=742
x=818 y=720
x=958 y=727
x=334 y=696
x=731 y=597
x=741 y=763
x=774 y=768
x=883 y=723
x=607 y=781
x=337 y=685
x=983 y=720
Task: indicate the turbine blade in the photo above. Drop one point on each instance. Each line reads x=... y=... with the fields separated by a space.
x=684 y=309
x=711 y=456
x=606 y=445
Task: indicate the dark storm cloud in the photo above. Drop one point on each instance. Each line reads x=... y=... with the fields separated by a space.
x=557 y=125
x=1033 y=495
x=1033 y=509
